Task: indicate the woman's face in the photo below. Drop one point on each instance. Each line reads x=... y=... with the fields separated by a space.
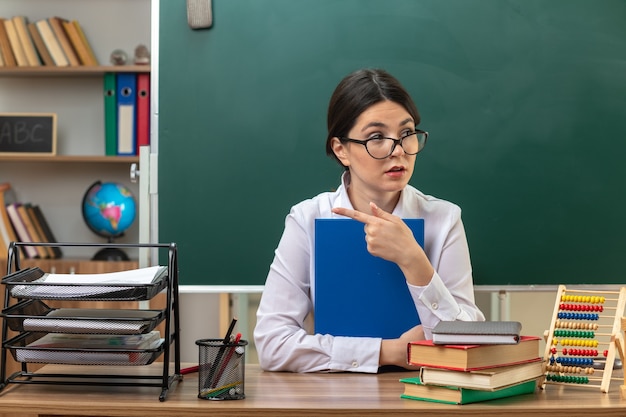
x=375 y=177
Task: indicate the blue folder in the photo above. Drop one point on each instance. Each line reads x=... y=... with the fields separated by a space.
x=126 y=113
x=356 y=293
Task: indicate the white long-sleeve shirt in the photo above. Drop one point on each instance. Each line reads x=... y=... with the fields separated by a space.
x=282 y=340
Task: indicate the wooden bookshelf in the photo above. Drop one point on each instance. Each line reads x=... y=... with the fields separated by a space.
x=86 y=71
x=75 y=93
x=71 y=158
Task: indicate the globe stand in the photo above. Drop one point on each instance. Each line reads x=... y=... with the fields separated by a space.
x=110 y=254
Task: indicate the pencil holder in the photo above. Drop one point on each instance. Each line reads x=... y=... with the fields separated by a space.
x=221 y=369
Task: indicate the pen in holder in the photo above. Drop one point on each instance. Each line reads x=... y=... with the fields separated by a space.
x=221 y=369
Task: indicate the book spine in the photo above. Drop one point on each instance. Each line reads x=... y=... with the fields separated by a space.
x=20 y=230
x=30 y=212
x=5 y=46
x=47 y=231
x=92 y=56
x=21 y=28
x=77 y=43
x=16 y=45
x=52 y=43
x=4 y=216
x=56 y=23
x=42 y=50
x=32 y=231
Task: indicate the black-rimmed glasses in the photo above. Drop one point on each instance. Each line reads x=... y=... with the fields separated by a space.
x=380 y=147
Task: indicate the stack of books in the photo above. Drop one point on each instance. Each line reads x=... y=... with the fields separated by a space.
x=482 y=365
x=24 y=222
x=54 y=41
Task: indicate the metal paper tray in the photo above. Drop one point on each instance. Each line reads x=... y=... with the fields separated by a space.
x=22 y=352
x=36 y=316
x=23 y=284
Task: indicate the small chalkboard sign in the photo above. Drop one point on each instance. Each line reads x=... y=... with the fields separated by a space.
x=28 y=134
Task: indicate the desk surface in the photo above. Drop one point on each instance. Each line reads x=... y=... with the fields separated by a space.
x=276 y=394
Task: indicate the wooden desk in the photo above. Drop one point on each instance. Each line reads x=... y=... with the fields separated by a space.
x=286 y=394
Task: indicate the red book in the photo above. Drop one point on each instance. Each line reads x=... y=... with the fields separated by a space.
x=473 y=357
x=143 y=110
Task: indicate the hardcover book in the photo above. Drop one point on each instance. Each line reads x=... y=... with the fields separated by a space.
x=40 y=45
x=21 y=27
x=56 y=23
x=476 y=332
x=33 y=233
x=83 y=37
x=7 y=234
x=21 y=231
x=415 y=390
x=16 y=45
x=52 y=43
x=5 y=46
x=46 y=230
x=472 y=357
x=81 y=49
x=485 y=379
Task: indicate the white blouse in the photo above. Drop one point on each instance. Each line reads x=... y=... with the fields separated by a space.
x=281 y=337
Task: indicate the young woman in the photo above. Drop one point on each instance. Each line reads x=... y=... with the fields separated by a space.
x=373 y=134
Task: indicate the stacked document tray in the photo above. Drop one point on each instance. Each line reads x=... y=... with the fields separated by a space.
x=51 y=331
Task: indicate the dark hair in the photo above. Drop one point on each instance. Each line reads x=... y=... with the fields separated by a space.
x=357 y=92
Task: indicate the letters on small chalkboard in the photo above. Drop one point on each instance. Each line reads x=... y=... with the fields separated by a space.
x=28 y=133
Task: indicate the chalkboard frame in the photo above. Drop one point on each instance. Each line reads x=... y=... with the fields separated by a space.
x=50 y=139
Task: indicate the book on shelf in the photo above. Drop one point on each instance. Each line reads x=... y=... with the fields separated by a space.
x=484 y=379
x=37 y=213
x=5 y=46
x=77 y=42
x=472 y=357
x=40 y=45
x=52 y=43
x=21 y=232
x=56 y=23
x=21 y=26
x=415 y=390
x=83 y=37
x=30 y=212
x=33 y=233
x=476 y=332
x=24 y=222
x=16 y=45
x=7 y=234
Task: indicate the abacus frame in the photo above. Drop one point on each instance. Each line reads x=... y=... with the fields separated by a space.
x=615 y=335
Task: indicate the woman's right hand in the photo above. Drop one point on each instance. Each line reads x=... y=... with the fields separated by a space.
x=394 y=351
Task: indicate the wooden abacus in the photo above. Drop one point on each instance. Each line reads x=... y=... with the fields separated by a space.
x=584 y=336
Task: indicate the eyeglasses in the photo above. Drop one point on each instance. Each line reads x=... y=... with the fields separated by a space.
x=380 y=147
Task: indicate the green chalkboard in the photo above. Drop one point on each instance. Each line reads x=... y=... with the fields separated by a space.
x=523 y=99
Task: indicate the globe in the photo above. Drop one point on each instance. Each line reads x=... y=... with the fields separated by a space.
x=109 y=209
